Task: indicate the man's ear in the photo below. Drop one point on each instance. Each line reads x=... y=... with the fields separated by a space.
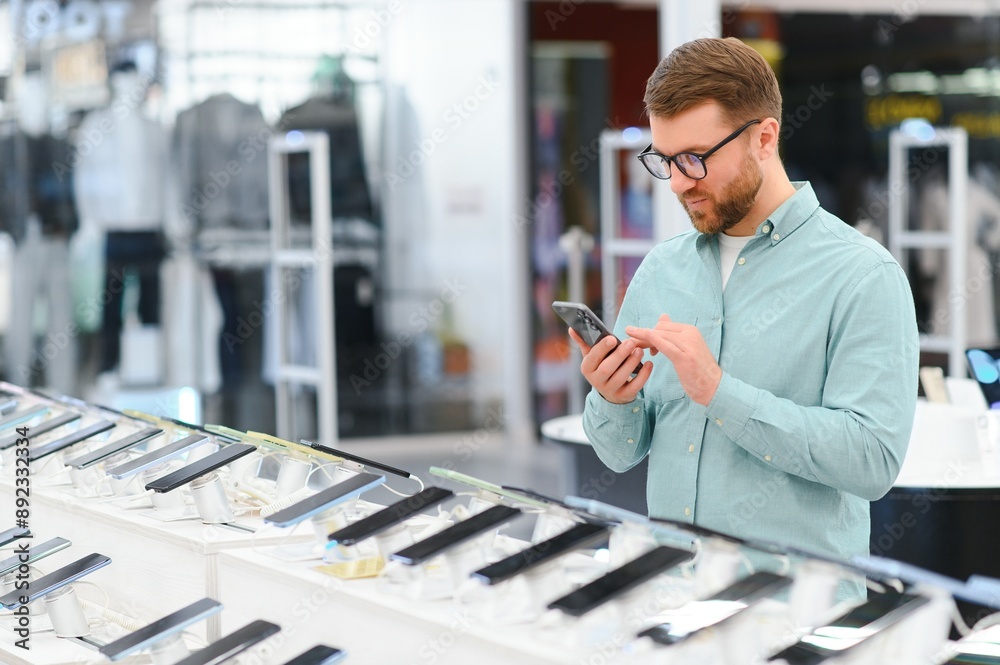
x=767 y=138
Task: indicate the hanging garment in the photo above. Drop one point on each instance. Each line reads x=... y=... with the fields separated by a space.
x=219 y=155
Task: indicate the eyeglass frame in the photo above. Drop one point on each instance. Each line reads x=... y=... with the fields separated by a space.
x=702 y=157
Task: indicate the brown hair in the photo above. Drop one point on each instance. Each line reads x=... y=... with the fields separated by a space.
x=725 y=71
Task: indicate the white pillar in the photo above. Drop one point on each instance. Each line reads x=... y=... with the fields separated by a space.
x=681 y=21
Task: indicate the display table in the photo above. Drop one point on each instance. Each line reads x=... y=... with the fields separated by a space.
x=157 y=567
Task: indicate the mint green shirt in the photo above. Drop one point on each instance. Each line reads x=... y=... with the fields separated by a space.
x=817 y=338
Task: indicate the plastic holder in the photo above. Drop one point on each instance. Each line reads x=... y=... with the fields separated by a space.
x=211 y=501
x=813 y=592
x=717 y=566
x=169 y=650
x=292 y=476
x=65 y=612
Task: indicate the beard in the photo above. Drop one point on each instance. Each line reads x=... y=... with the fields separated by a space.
x=731 y=206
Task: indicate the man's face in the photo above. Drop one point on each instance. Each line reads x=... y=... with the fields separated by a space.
x=724 y=197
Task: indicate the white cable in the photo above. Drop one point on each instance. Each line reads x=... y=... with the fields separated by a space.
x=405 y=496
x=959 y=621
x=322 y=466
x=294 y=497
x=117 y=618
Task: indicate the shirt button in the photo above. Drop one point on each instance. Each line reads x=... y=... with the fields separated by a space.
x=718 y=421
x=635 y=409
x=741 y=260
x=691 y=448
x=767 y=228
x=687 y=512
x=776 y=237
x=629 y=440
x=767 y=458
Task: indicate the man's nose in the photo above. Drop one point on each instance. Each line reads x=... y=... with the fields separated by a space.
x=679 y=183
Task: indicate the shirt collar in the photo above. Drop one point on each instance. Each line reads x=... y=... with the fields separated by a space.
x=791 y=214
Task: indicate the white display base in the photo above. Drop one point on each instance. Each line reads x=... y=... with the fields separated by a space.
x=157 y=567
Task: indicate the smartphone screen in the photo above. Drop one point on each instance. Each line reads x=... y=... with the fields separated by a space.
x=186 y=474
x=117 y=446
x=43 y=427
x=12 y=563
x=232 y=644
x=54 y=580
x=701 y=614
x=10 y=535
x=154 y=457
x=984 y=365
x=318 y=655
x=21 y=416
x=620 y=580
x=455 y=534
x=871 y=617
x=577 y=537
x=360 y=460
x=160 y=629
x=82 y=434
x=581 y=319
x=389 y=516
x=325 y=499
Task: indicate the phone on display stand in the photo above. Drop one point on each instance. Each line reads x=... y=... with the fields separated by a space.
x=577 y=537
x=54 y=580
x=318 y=655
x=186 y=474
x=71 y=439
x=701 y=614
x=454 y=535
x=41 y=428
x=837 y=637
x=116 y=446
x=487 y=486
x=35 y=553
x=160 y=629
x=10 y=535
x=154 y=457
x=984 y=365
x=232 y=644
x=399 y=512
x=324 y=499
x=23 y=415
x=360 y=460
x=622 y=579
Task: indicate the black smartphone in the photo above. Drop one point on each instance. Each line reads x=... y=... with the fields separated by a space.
x=577 y=537
x=318 y=655
x=455 y=534
x=360 y=460
x=21 y=416
x=116 y=446
x=207 y=464
x=701 y=614
x=705 y=532
x=984 y=365
x=152 y=633
x=620 y=580
x=54 y=580
x=834 y=639
x=154 y=457
x=232 y=644
x=33 y=554
x=583 y=321
x=10 y=535
x=376 y=523
x=43 y=427
x=325 y=499
x=71 y=439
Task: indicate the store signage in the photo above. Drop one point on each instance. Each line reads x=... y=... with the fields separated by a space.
x=889 y=111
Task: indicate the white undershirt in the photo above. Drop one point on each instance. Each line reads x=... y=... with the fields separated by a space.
x=729 y=249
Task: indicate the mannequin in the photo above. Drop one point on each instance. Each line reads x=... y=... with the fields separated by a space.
x=41 y=216
x=119 y=189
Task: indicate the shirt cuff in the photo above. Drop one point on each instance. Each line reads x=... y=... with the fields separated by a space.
x=731 y=407
x=627 y=416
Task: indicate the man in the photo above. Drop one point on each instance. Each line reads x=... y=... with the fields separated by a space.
x=781 y=390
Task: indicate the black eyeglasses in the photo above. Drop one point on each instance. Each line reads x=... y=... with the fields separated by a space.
x=691 y=164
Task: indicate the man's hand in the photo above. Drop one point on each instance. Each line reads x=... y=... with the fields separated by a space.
x=683 y=344
x=609 y=369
